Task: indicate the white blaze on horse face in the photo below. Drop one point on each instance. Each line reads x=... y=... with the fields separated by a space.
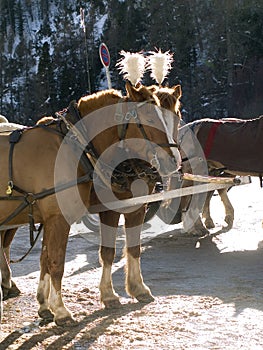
x=167 y=120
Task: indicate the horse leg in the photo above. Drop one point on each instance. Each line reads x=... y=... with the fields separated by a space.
x=191 y=209
x=108 y=229
x=5 y=270
x=206 y=211
x=52 y=261
x=229 y=210
x=10 y=290
x=134 y=280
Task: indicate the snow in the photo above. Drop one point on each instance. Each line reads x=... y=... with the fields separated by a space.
x=98 y=27
x=247 y=230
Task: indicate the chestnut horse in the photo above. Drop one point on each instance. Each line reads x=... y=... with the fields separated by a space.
x=133 y=220
x=5 y=272
x=44 y=169
x=185 y=209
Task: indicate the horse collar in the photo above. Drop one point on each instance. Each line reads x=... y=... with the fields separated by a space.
x=124 y=119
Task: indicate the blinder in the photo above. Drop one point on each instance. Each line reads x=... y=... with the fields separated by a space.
x=124 y=119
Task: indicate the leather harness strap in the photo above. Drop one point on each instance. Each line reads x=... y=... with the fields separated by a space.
x=28 y=199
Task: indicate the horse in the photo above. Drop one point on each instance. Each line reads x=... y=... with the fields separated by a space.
x=43 y=167
x=133 y=222
x=170 y=102
x=3 y=261
x=5 y=272
x=214 y=148
x=8 y=286
x=185 y=209
x=232 y=146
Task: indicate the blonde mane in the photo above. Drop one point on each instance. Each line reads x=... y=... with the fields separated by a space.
x=45 y=120
x=90 y=103
x=3 y=119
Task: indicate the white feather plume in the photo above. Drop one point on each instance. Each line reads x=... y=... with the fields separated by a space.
x=132 y=66
x=160 y=64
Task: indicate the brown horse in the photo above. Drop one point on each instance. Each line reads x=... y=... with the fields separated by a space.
x=232 y=146
x=133 y=220
x=4 y=268
x=188 y=208
x=48 y=175
x=5 y=272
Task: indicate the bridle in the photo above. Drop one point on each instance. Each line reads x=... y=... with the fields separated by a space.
x=123 y=120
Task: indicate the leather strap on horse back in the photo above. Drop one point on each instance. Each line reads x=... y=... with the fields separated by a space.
x=28 y=199
x=13 y=139
x=74 y=112
x=210 y=138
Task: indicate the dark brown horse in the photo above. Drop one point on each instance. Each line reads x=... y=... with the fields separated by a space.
x=234 y=147
x=227 y=147
x=49 y=177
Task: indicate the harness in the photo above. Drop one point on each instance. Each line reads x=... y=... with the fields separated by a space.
x=65 y=122
x=132 y=114
x=28 y=199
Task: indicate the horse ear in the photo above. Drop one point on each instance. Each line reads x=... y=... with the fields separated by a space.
x=153 y=88
x=132 y=92
x=177 y=91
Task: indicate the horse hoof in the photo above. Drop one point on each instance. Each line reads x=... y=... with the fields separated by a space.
x=229 y=220
x=199 y=232
x=112 y=304
x=145 y=298
x=11 y=293
x=66 y=322
x=209 y=224
x=46 y=315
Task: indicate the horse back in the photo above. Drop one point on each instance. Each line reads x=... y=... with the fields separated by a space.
x=235 y=143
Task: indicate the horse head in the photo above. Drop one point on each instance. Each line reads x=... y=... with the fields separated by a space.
x=158 y=126
x=169 y=98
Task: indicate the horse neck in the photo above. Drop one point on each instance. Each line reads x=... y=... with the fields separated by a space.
x=91 y=103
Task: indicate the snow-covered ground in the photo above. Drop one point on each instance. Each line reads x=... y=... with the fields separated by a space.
x=247 y=230
x=206 y=298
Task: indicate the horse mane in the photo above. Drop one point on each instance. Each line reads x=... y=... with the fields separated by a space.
x=148 y=94
x=168 y=99
x=45 y=120
x=90 y=103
